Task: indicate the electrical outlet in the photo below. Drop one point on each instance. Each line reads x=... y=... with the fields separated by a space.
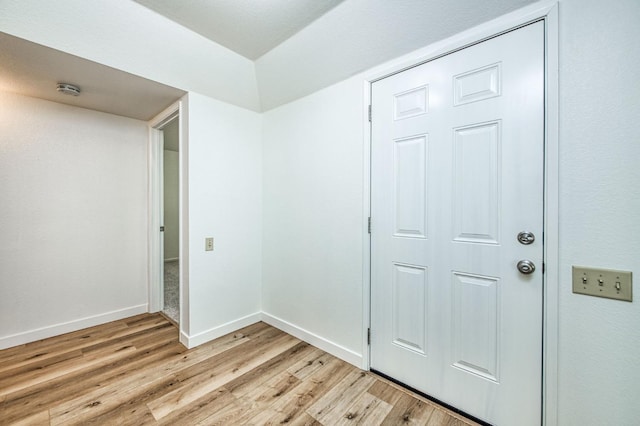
x=607 y=283
x=208 y=244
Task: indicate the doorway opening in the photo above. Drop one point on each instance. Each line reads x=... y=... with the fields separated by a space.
x=171 y=220
x=166 y=251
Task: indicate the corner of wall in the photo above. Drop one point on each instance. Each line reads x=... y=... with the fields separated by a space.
x=328 y=346
x=214 y=333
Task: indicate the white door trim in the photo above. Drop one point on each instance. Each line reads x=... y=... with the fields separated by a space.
x=155 y=207
x=547 y=11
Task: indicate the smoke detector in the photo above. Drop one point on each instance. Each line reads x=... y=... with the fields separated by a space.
x=68 y=89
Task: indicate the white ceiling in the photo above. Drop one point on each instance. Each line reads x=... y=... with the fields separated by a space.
x=309 y=45
x=33 y=70
x=248 y=27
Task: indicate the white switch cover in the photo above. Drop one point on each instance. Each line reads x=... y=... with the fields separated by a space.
x=208 y=244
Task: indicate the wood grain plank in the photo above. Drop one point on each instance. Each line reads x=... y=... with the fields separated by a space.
x=386 y=392
x=264 y=372
x=304 y=368
x=161 y=376
x=227 y=415
x=294 y=403
x=65 y=388
x=410 y=411
x=65 y=367
x=78 y=341
x=135 y=372
x=365 y=410
x=334 y=405
x=42 y=347
x=137 y=415
x=37 y=419
x=210 y=404
x=305 y=420
x=218 y=377
x=269 y=392
x=439 y=417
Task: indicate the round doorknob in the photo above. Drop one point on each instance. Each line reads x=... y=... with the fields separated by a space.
x=526 y=267
x=526 y=238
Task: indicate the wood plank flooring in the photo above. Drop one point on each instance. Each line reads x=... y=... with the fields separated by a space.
x=135 y=372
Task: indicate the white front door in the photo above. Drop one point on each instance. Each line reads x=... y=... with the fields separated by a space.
x=457 y=175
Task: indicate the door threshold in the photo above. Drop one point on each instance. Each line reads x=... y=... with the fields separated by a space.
x=430 y=398
x=171 y=320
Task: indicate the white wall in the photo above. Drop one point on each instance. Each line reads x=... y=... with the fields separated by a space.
x=313 y=203
x=171 y=172
x=171 y=211
x=599 y=373
x=127 y=36
x=225 y=196
x=73 y=221
x=313 y=217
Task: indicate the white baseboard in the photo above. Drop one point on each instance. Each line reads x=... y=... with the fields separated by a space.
x=188 y=341
x=319 y=342
x=214 y=333
x=67 y=327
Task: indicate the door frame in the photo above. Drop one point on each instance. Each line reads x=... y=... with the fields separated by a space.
x=547 y=12
x=155 y=205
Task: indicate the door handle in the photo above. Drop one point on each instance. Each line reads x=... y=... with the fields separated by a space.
x=526 y=267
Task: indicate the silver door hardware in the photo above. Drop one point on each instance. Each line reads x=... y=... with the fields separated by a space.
x=526 y=267
x=162 y=229
x=526 y=238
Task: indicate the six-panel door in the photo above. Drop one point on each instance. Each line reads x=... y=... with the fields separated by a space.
x=457 y=173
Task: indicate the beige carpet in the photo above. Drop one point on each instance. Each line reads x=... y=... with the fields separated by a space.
x=171 y=290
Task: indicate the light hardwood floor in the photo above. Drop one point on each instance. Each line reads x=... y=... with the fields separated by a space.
x=135 y=372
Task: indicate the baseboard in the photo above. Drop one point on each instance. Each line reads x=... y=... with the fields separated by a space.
x=188 y=341
x=319 y=342
x=214 y=333
x=67 y=327
x=171 y=259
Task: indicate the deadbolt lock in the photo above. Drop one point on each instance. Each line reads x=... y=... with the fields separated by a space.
x=526 y=238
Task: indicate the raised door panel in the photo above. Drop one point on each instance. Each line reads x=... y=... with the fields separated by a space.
x=410 y=182
x=411 y=103
x=409 y=307
x=477 y=85
x=476 y=183
x=476 y=322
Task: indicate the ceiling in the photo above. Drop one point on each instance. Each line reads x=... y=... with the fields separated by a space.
x=255 y=54
x=248 y=27
x=34 y=70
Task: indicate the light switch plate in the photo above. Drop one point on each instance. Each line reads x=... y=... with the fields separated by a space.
x=208 y=244
x=607 y=283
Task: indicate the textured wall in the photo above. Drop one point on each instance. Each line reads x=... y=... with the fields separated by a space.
x=73 y=221
x=313 y=200
x=225 y=197
x=599 y=374
x=171 y=210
